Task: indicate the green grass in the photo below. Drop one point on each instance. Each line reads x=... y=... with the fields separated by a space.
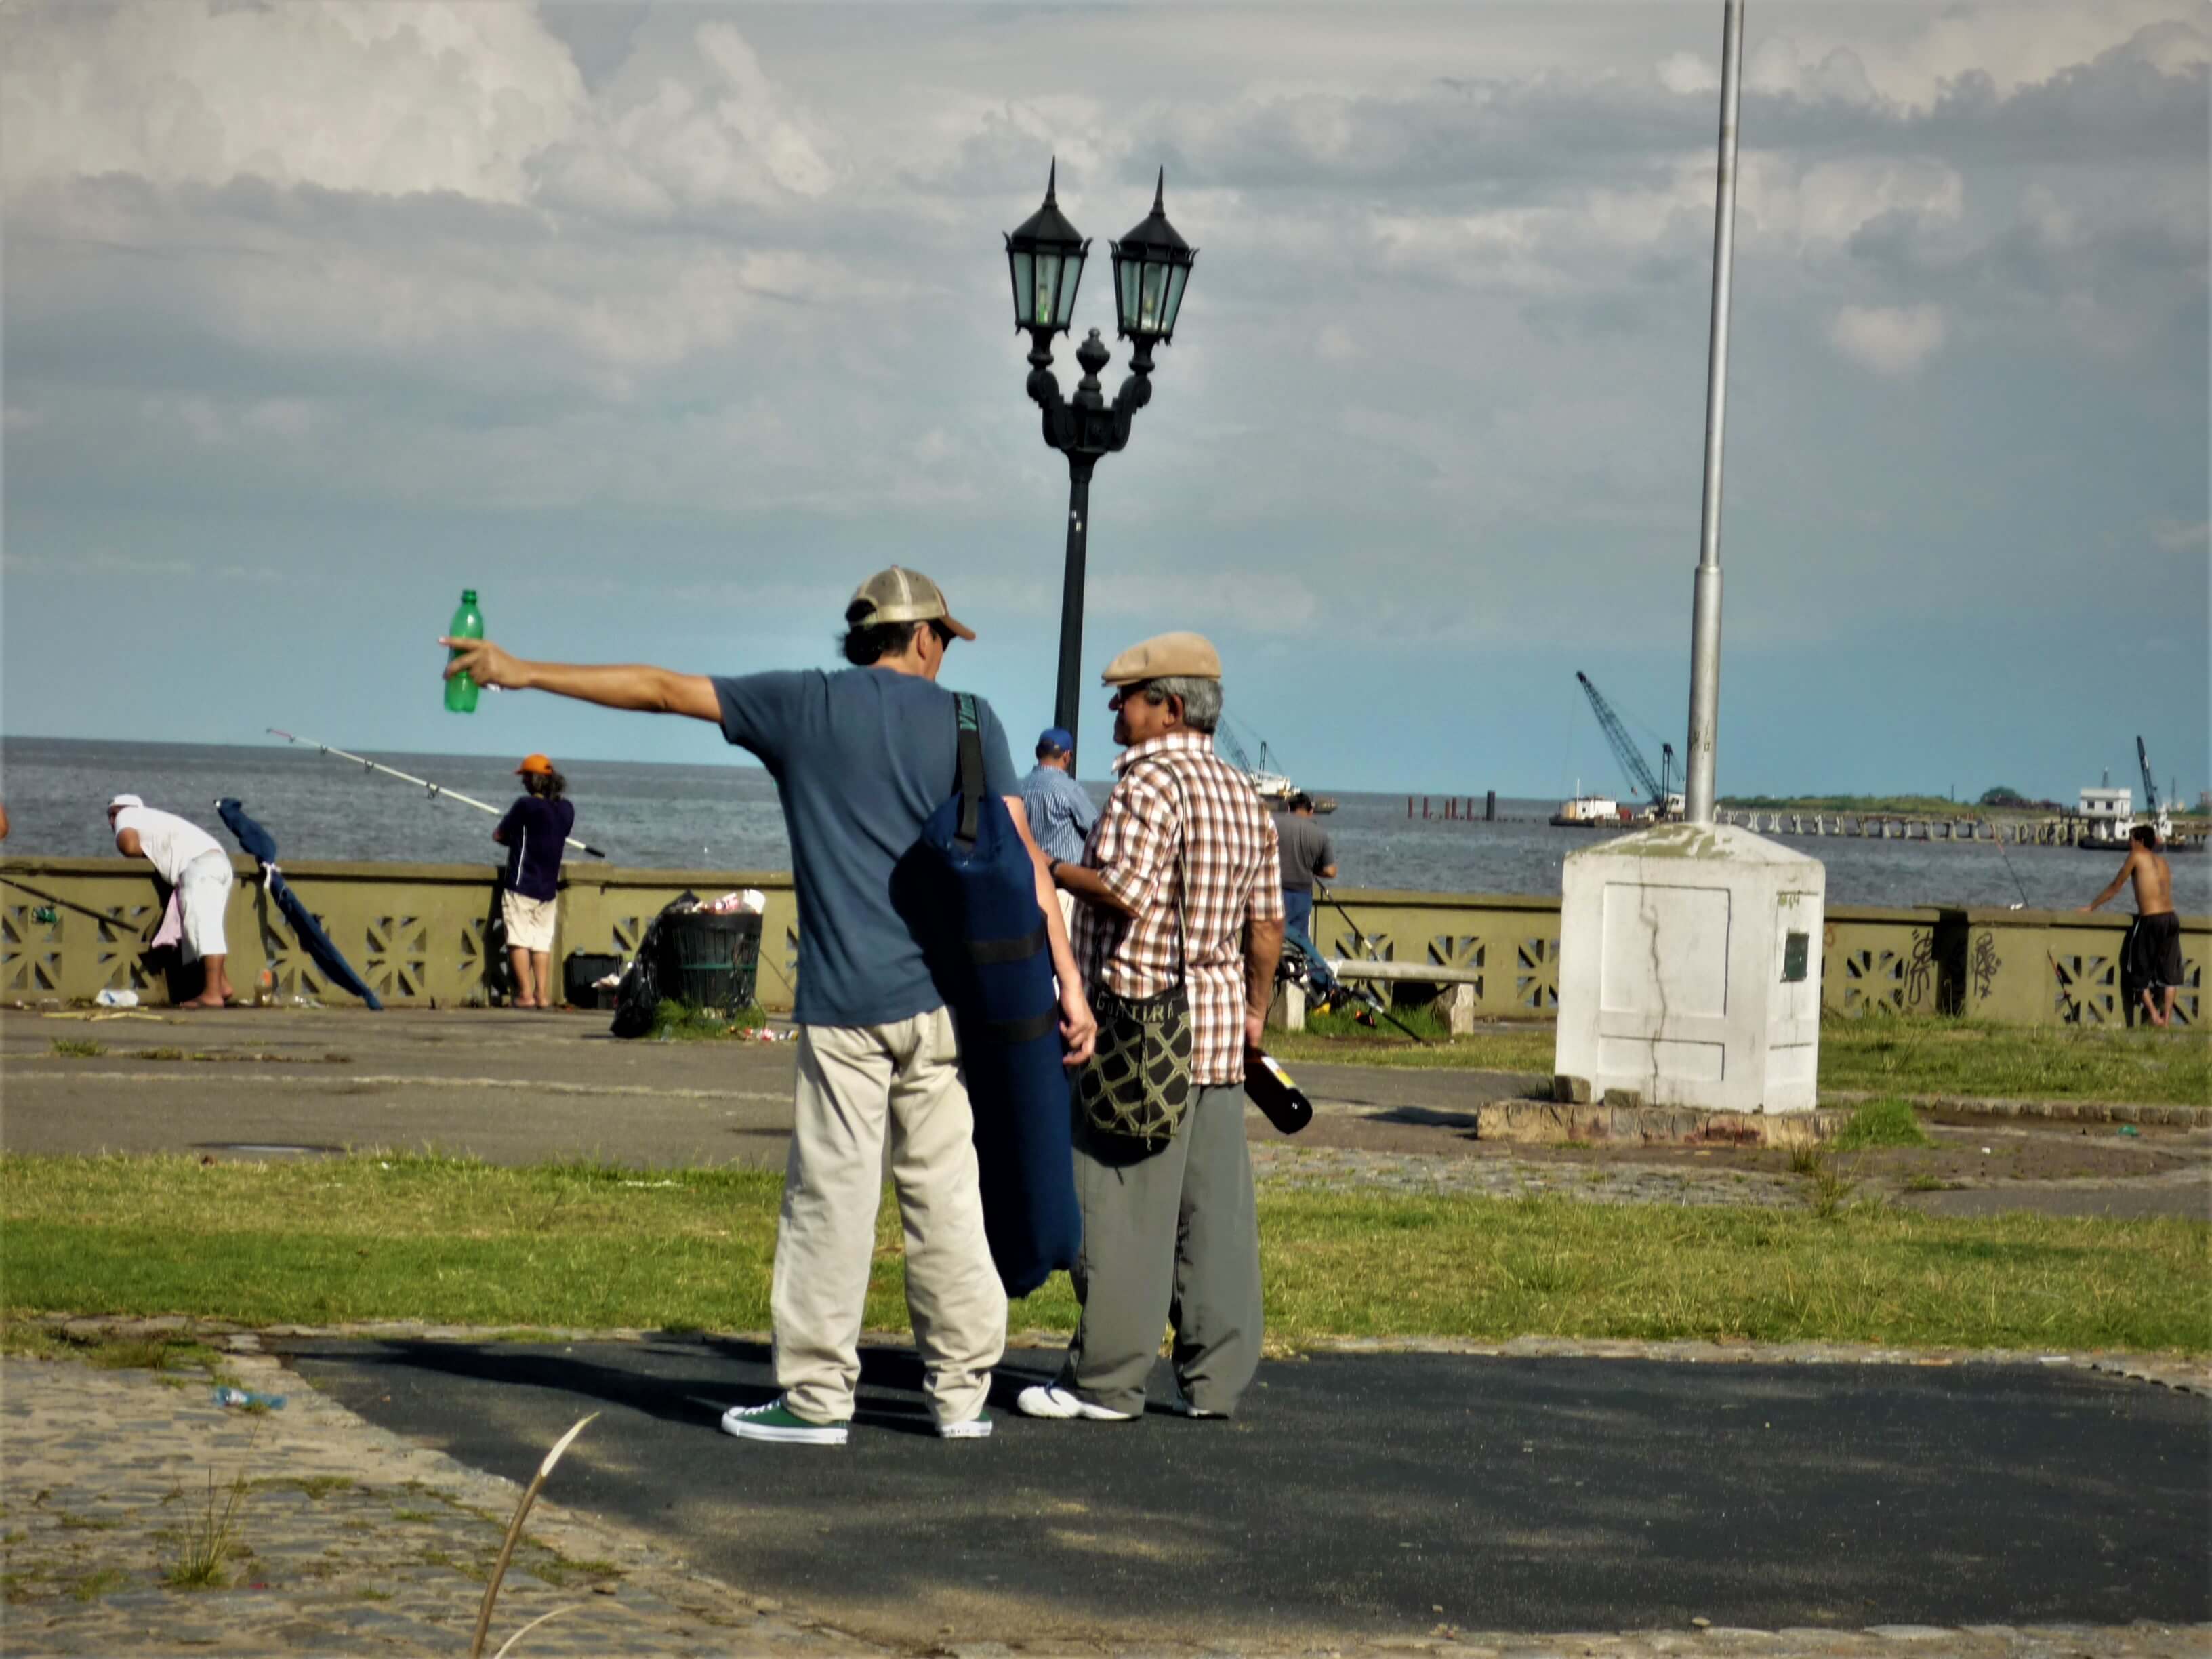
x=574 y=1246
x=78 y=1048
x=677 y=1022
x=1356 y=1020
x=1342 y=1043
x=98 y=1583
x=1887 y=1122
x=1882 y=1055
x=210 y=1542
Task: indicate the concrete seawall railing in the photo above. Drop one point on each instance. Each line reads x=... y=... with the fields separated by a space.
x=417 y=931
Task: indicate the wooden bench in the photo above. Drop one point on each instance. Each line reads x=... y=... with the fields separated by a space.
x=1457 y=1004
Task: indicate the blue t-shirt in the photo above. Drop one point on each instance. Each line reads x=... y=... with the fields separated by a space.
x=861 y=757
x=532 y=831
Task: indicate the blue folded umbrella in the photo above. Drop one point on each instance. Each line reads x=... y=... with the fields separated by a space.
x=260 y=846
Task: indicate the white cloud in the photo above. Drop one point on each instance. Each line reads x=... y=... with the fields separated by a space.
x=367 y=96
x=1892 y=340
x=1334 y=344
x=2172 y=536
x=738 y=287
x=1685 y=73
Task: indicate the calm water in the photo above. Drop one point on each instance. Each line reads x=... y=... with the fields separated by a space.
x=726 y=816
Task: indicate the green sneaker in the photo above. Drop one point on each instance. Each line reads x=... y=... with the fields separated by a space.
x=776 y=1421
x=977 y=1427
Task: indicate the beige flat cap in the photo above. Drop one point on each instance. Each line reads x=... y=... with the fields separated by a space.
x=1190 y=656
x=898 y=595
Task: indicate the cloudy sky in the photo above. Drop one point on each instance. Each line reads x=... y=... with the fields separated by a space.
x=661 y=325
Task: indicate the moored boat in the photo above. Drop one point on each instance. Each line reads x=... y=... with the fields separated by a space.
x=1589 y=812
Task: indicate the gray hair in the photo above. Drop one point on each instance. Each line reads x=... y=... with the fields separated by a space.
x=1201 y=699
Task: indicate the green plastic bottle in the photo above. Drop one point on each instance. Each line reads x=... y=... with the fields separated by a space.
x=468 y=624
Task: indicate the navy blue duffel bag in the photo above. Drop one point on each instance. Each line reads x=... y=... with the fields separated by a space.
x=992 y=960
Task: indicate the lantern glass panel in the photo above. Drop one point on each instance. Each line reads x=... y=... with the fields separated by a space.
x=1177 y=279
x=1127 y=271
x=1150 y=292
x=1024 y=268
x=1047 y=290
x=1071 y=273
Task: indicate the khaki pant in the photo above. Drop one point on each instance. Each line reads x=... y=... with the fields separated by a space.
x=857 y=1086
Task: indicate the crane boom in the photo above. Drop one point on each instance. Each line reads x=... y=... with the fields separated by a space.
x=1624 y=747
x=2150 y=788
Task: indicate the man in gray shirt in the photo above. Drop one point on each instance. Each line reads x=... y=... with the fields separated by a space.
x=1307 y=854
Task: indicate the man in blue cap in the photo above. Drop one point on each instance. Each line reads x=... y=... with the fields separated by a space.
x=1060 y=814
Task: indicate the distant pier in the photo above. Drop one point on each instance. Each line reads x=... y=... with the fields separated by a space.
x=2064 y=829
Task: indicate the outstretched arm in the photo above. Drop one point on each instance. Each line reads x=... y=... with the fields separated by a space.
x=2118 y=882
x=629 y=685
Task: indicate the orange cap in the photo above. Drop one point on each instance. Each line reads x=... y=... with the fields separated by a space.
x=534 y=764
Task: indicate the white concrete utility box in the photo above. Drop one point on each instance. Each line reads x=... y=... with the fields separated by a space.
x=1690 y=970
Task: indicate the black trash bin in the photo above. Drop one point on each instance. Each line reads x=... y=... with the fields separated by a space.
x=580 y=976
x=713 y=959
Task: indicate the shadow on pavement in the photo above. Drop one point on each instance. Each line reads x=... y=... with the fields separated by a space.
x=1366 y=1494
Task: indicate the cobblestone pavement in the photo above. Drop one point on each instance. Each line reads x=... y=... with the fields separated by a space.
x=1343 y=1168
x=350 y=1540
x=344 y=1540
x=2172 y=1175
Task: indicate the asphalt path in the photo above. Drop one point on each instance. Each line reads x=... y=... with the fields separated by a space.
x=1366 y=1494
x=509 y=1088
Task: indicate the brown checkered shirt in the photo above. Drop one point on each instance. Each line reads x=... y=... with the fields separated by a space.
x=1186 y=845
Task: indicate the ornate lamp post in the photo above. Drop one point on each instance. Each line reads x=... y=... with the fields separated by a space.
x=1151 y=267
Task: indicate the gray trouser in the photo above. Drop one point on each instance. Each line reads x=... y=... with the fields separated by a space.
x=1170 y=1236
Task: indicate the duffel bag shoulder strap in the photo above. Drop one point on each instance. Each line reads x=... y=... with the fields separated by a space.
x=971 y=779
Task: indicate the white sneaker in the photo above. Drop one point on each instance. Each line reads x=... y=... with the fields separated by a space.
x=1050 y=1400
x=1179 y=1403
x=977 y=1427
x=777 y=1421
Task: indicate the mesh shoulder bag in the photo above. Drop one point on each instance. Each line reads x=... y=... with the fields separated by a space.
x=1137 y=1086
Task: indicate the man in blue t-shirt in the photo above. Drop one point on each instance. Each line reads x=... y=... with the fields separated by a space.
x=861 y=758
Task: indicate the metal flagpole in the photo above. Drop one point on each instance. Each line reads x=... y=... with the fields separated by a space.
x=438 y=791
x=1705 y=608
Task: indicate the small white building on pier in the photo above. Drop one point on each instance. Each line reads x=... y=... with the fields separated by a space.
x=2111 y=812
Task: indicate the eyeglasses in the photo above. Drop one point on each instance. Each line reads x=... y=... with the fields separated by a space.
x=1145 y=689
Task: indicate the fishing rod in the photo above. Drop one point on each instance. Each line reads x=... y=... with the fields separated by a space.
x=437 y=790
x=2026 y=903
x=1362 y=993
x=124 y=922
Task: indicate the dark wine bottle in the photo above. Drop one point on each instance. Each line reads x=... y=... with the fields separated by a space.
x=1272 y=1090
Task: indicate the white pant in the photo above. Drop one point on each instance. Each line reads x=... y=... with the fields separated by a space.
x=529 y=920
x=856 y=1083
x=204 y=893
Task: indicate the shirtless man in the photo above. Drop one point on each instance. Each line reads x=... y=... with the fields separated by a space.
x=2152 y=955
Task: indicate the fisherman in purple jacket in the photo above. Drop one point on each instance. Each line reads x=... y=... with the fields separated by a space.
x=534 y=832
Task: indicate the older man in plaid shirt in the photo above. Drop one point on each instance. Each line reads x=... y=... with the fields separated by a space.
x=1181 y=879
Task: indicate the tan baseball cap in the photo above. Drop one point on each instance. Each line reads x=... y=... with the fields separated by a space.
x=1189 y=656
x=898 y=595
